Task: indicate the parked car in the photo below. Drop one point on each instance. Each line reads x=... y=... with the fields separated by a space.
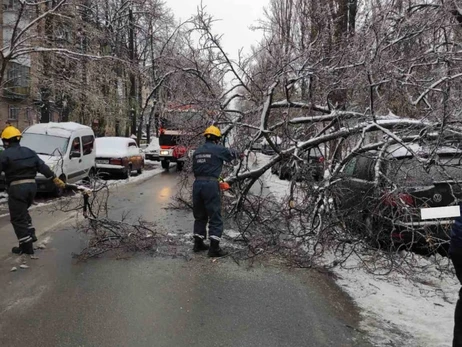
x=312 y=167
x=118 y=155
x=389 y=209
x=266 y=148
x=67 y=148
x=152 y=150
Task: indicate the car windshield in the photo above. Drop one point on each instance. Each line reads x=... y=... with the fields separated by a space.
x=45 y=144
x=410 y=172
x=170 y=140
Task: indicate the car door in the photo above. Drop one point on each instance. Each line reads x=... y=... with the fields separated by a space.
x=356 y=185
x=88 y=153
x=75 y=171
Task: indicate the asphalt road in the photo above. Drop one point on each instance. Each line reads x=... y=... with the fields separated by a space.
x=178 y=299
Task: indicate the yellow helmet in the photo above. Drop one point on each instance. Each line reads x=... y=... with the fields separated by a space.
x=9 y=132
x=212 y=130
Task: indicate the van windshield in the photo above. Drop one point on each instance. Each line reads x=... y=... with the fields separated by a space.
x=45 y=144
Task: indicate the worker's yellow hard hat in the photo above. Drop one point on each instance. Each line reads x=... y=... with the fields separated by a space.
x=9 y=132
x=212 y=130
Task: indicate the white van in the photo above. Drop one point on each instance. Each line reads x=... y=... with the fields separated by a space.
x=67 y=148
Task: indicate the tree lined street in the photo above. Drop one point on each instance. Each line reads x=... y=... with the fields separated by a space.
x=344 y=123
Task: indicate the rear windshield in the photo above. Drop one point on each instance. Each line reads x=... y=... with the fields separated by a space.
x=409 y=171
x=45 y=144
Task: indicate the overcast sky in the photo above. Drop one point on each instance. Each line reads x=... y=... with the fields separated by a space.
x=235 y=17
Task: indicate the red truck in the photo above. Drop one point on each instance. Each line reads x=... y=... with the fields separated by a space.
x=174 y=139
x=172 y=148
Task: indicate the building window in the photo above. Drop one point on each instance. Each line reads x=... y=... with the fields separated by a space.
x=18 y=75
x=9 y=4
x=13 y=113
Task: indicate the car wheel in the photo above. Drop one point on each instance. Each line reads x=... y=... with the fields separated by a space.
x=179 y=166
x=128 y=172
x=165 y=164
x=140 y=170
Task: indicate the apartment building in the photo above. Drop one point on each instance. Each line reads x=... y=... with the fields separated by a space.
x=17 y=105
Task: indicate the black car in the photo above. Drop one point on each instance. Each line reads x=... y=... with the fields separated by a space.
x=383 y=198
x=312 y=166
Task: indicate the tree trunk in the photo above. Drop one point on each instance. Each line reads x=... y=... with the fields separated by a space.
x=131 y=48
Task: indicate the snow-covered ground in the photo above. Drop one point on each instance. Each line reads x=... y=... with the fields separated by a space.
x=145 y=175
x=413 y=306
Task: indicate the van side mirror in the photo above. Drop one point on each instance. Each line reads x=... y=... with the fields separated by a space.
x=75 y=155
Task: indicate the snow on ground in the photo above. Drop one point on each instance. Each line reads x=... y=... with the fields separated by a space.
x=279 y=188
x=144 y=175
x=411 y=307
x=404 y=310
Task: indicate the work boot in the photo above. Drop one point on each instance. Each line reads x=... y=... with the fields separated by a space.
x=215 y=251
x=199 y=244
x=24 y=248
x=32 y=233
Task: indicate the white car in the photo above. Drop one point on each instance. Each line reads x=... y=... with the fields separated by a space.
x=118 y=155
x=67 y=148
x=152 y=151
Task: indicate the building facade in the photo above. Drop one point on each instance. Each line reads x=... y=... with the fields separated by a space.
x=17 y=105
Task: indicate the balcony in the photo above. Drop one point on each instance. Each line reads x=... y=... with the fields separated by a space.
x=17 y=83
x=16 y=92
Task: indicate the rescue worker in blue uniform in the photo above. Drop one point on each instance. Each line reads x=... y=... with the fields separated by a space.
x=21 y=165
x=207 y=165
x=455 y=252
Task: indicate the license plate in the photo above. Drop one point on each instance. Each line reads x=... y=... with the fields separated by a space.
x=102 y=161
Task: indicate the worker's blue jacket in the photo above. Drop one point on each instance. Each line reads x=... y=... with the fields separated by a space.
x=21 y=163
x=208 y=159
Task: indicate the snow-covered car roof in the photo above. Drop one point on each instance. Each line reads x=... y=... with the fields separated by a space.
x=112 y=145
x=64 y=129
x=399 y=151
x=114 y=141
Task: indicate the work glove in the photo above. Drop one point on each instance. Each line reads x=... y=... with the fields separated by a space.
x=59 y=183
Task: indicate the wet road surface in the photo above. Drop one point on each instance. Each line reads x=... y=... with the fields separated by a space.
x=176 y=300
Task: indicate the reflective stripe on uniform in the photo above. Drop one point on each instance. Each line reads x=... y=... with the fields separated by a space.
x=18 y=182
x=25 y=239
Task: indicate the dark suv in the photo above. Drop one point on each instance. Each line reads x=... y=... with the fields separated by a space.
x=384 y=198
x=312 y=166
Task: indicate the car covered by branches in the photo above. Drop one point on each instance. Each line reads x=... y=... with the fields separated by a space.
x=381 y=193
